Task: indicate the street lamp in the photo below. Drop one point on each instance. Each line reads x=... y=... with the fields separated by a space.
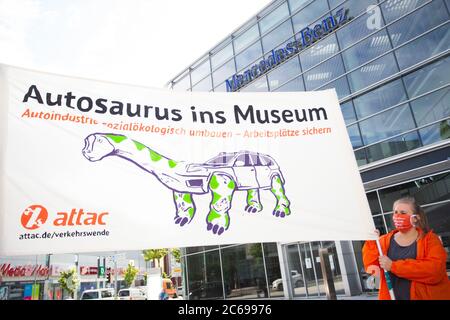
x=77 y=257
x=98 y=272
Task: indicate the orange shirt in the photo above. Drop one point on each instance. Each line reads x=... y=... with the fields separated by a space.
x=428 y=275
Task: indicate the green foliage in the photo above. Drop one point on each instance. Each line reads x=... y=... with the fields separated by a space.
x=69 y=280
x=154 y=254
x=165 y=276
x=256 y=250
x=130 y=274
x=176 y=253
x=444 y=128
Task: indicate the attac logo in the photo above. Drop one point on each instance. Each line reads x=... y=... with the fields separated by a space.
x=33 y=217
x=36 y=215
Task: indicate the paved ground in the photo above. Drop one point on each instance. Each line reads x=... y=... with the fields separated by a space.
x=359 y=297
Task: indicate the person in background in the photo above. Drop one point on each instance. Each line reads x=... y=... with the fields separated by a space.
x=412 y=254
x=163 y=295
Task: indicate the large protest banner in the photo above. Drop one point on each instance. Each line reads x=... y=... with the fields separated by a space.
x=96 y=166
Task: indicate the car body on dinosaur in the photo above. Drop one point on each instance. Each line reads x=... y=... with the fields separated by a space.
x=220 y=176
x=250 y=170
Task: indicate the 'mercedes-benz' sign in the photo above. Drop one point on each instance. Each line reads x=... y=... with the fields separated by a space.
x=308 y=36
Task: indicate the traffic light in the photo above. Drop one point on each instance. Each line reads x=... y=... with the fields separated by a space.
x=108 y=277
x=101 y=272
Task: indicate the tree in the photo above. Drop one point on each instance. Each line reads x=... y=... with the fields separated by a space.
x=69 y=281
x=154 y=254
x=130 y=274
x=176 y=253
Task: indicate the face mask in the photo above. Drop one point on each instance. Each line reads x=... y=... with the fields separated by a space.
x=402 y=222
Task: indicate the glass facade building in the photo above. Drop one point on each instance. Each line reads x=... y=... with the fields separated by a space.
x=390 y=66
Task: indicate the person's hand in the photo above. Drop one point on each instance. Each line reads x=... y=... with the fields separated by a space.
x=385 y=263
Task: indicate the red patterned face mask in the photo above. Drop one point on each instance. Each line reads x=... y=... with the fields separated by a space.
x=402 y=222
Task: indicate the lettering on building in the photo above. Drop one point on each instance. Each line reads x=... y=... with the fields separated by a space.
x=308 y=36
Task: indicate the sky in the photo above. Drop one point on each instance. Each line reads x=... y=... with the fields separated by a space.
x=143 y=42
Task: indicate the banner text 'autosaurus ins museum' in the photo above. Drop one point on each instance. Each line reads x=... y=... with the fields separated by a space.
x=96 y=166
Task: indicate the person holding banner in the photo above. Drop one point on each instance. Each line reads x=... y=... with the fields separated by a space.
x=412 y=254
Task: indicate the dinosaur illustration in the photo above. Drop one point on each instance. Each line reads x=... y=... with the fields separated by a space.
x=220 y=176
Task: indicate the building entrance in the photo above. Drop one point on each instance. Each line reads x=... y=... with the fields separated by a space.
x=305 y=271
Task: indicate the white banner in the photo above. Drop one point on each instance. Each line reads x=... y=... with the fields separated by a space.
x=97 y=166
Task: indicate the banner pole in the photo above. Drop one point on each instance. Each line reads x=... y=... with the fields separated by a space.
x=386 y=273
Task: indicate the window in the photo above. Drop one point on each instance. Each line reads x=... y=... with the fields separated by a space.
x=386 y=124
x=428 y=78
x=309 y=14
x=360 y=156
x=272 y=40
x=124 y=293
x=266 y=160
x=394 y=9
x=319 y=52
x=366 y=50
x=190 y=250
x=372 y=72
x=323 y=73
x=358 y=28
x=295 y=4
x=283 y=73
x=432 y=107
x=380 y=98
x=246 y=38
x=249 y=55
x=393 y=147
x=256 y=160
x=204 y=85
x=355 y=137
x=379 y=224
x=106 y=294
x=90 y=295
x=204 y=274
x=221 y=56
x=418 y=22
x=424 y=47
x=221 y=87
x=259 y=85
x=348 y=112
x=436 y=132
x=200 y=71
x=293 y=85
x=242 y=161
x=273 y=18
x=221 y=159
x=389 y=222
x=340 y=85
x=425 y=190
x=334 y=3
x=182 y=84
x=373 y=203
x=295 y=267
x=356 y=6
x=243 y=271
x=438 y=221
x=272 y=267
x=224 y=72
x=269 y=8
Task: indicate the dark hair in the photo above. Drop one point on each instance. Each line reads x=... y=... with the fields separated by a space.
x=422 y=221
